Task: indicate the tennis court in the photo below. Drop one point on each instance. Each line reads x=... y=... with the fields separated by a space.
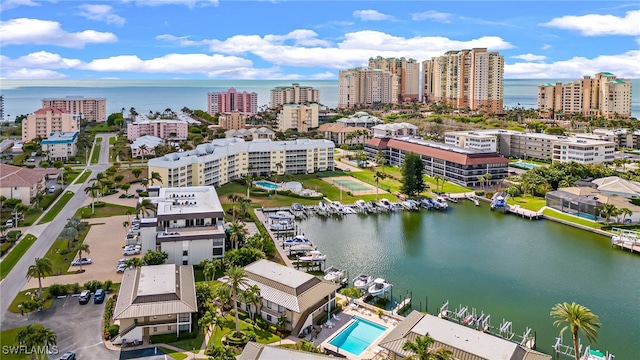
x=354 y=186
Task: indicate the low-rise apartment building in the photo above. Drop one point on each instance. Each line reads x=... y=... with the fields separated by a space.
x=165 y=129
x=456 y=164
x=60 y=146
x=472 y=140
x=45 y=121
x=395 y=130
x=300 y=297
x=154 y=300
x=232 y=120
x=341 y=135
x=360 y=119
x=251 y=133
x=187 y=224
x=301 y=117
x=90 y=109
x=224 y=160
x=23 y=183
x=145 y=146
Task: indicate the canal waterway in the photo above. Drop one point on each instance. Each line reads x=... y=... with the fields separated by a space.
x=511 y=268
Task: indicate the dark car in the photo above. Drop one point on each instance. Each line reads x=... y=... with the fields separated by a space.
x=69 y=355
x=98 y=296
x=85 y=296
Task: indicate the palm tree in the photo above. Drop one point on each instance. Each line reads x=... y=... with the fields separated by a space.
x=237 y=278
x=36 y=335
x=209 y=271
x=420 y=349
x=577 y=318
x=482 y=180
x=93 y=189
x=279 y=167
x=207 y=319
x=41 y=268
x=143 y=152
x=487 y=178
x=145 y=206
x=377 y=177
x=82 y=248
x=607 y=211
x=223 y=294
x=135 y=262
x=625 y=212
x=155 y=176
x=238 y=232
x=282 y=322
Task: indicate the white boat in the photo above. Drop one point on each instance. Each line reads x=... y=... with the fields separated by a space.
x=348 y=210
x=298 y=240
x=322 y=206
x=336 y=207
x=385 y=204
x=362 y=282
x=362 y=205
x=282 y=215
x=379 y=287
x=414 y=204
x=591 y=354
x=405 y=204
x=441 y=203
x=302 y=248
x=334 y=274
x=314 y=256
x=282 y=225
x=373 y=206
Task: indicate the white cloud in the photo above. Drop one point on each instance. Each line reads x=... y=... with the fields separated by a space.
x=24 y=73
x=41 y=60
x=431 y=15
x=10 y=4
x=371 y=15
x=325 y=75
x=101 y=13
x=530 y=57
x=546 y=47
x=188 y=3
x=44 y=32
x=626 y=65
x=596 y=24
x=170 y=63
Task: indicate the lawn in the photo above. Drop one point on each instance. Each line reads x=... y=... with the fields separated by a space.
x=48 y=199
x=185 y=344
x=62 y=255
x=173 y=354
x=19 y=159
x=84 y=177
x=527 y=202
x=30 y=217
x=22 y=296
x=107 y=210
x=448 y=186
x=263 y=336
x=112 y=140
x=70 y=177
x=8 y=339
x=95 y=154
x=573 y=219
x=57 y=207
x=11 y=259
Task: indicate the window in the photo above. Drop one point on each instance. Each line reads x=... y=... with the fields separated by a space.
x=269 y=304
x=185 y=262
x=185 y=252
x=169 y=328
x=269 y=318
x=280 y=309
x=155 y=329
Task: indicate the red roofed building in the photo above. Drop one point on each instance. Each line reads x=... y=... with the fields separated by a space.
x=47 y=120
x=458 y=165
x=23 y=183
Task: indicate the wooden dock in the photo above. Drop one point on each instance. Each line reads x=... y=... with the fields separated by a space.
x=406 y=302
x=626 y=240
x=532 y=215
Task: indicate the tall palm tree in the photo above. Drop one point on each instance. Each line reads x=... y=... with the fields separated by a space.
x=625 y=212
x=209 y=271
x=41 y=267
x=420 y=347
x=82 y=248
x=135 y=262
x=237 y=278
x=577 y=318
x=93 y=189
x=607 y=211
x=144 y=206
x=238 y=232
x=379 y=175
x=125 y=225
x=155 y=176
x=36 y=335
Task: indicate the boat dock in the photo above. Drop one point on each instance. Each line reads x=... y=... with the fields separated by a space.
x=626 y=240
x=525 y=213
x=399 y=307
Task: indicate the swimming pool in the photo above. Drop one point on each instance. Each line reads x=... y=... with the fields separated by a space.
x=523 y=165
x=358 y=336
x=267 y=185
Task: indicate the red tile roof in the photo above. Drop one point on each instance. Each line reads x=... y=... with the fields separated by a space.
x=14 y=176
x=451 y=156
x=52 y=109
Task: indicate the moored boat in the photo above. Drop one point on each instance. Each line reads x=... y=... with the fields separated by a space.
x=362 y=282
x=379 y=287
x=298 y=240
x=282 y=225
x=334 y=274
x=313 y=256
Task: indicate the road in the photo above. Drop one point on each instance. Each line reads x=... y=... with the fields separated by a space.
x=16 y=279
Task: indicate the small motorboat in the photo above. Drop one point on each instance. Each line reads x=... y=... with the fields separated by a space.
x=362 y=282
x=361 y=205
x=372 y=206
x=297 y=207
x=282 y=225
x=322 y=206
x=313 y=256
x=302 y=248
x=282 y=215
x=334 y=274
x=348 y=210
x=298 y=240
x=379 y=287
x=386 y=204
x=414 y=204
x=441 y=203
x=406 y=205
x=592 y=354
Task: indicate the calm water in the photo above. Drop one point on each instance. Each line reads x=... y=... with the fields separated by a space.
x=24 y=96
x=503 y=265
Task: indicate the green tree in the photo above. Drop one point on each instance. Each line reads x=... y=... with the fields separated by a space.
x=377 y=176
x=576 y=318
x=220 y=352
x=282 y=323
x=93 y=189
x=155 y=257
x=82 y=248
x=155 y=176
x=135 y=262
x=145 y=206
x=37 y=335
x=136 y=172
x=238 y=233
x=412 y=175
x=41 y=267
x=420 y=349
x=236 y=279
x=607 y=211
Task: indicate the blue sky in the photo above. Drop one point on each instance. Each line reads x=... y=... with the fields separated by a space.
x=207 y=39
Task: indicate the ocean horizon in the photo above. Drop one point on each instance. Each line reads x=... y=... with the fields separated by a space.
x=24 y=96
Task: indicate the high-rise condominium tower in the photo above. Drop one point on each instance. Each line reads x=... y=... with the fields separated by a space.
x=366 y=87
x=465 y=79
x=294 y=94
x=408 y=73
x=231 y=100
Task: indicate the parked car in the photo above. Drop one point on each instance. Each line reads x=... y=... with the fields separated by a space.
x=69 y=355
x=83 y=261
x=9 y=223
x=130 y=251
x=85 y=296
x=122 y=261
x=52 y=189
x=121 y=268
x=98 y=296
x=31 y=160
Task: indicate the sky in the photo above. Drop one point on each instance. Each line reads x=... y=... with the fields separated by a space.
x=218 y=39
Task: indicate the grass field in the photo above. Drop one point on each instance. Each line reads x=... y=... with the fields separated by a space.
x=173 y=354
x=59 y=260
x=84 y=177
x=107 y=210
x=12 y=258
x=95 y=154
x=22 y=296
x=70 y=177
x=527 y=202
x=263 y=336
x=9 y=338
x=112 y=140
x=447 y=188
x=576 y=220
x=57 y=207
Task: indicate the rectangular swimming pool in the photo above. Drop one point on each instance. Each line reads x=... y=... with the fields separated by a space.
x=358 y=336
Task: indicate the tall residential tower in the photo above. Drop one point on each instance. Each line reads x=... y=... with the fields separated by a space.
x=89 y=109
x=294 y=94
x=408 y=73
x=366 y=87
x=232 y=100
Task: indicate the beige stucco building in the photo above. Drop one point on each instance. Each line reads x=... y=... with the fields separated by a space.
x=164 y=129
x=408 y=73
x=340 y=134
x=232 y=120
x=360 y=87
x=90 y=109
x=465 y=79
x=60 y=146
x=224 y=160
x=23 y=183
x=294 y=94
x=47 y=120
x=301 y=117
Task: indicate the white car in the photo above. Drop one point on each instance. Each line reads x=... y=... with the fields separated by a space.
x=121 y=268
x=83 y=261
x=131 y=250
x=122 y=261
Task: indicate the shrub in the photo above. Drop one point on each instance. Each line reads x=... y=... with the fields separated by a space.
x=14 y=235
x=31 y=166
x=98 y=204
x=57 y=290
x=93 y=285
x=107 y=285
x=75 y=288
x=480 y=192
x=249 y=321
x=113 y=330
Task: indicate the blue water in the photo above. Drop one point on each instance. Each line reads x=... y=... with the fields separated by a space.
x=524 y=165
x=267 y=184
x=358 y=336
x=24 y=96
